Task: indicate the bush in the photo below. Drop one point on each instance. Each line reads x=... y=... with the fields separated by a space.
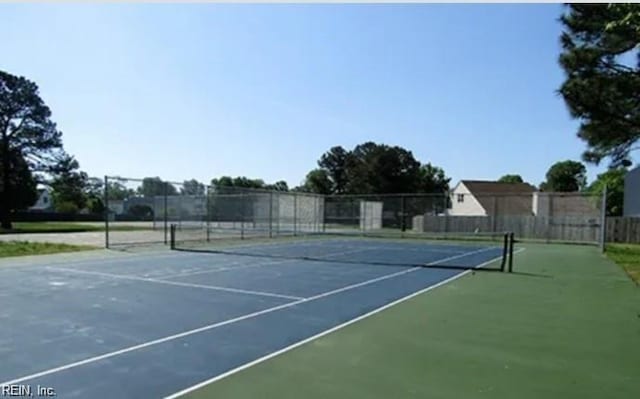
x=66 y=207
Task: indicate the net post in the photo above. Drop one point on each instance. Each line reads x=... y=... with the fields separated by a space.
x=505 y=246
x=172 y=240
x=603 y=221
x=165 y=216
x=295 y=213
x=270 y=214
x=106 y=212
x=511 y=242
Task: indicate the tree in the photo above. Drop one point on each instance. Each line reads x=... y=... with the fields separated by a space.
x=68 y=185
x=565 y=176
x=433 y=179
x=24 y=193
x=372 y=168
x=192 y=187
x=613 y=179
x=154 y=187
x=317 y=181
x=28 y=137
x=335 y=163
x=118 y=191
x=602 y=86
x=511 y=179
x=94 y=192
x=280 y=185
x=379 y=169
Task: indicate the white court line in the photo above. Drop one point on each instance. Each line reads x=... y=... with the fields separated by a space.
x=326 y=332
x=323 y=333
x=222 y=323
x=176 y=283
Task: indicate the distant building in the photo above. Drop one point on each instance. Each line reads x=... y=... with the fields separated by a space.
x=486 y=198
x=44 y=202
x=632 y=193
x=490 y=198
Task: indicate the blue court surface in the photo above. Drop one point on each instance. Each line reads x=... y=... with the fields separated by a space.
x=156 y=324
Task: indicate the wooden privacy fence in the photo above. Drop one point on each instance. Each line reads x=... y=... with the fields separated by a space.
x=578 y=229
x=566 y=228
x=623 y=229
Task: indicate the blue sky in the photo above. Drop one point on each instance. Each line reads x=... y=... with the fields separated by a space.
x=204 y=90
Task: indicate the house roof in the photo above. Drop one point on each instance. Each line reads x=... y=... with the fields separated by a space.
x=494 y=187
x=502 y=198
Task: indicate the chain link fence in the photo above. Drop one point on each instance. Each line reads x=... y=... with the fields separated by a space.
x=141 y=211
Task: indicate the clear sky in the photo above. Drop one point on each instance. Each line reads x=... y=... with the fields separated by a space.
x=204 y=90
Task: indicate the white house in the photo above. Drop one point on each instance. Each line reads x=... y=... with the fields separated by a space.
x=632 y=193
x=44 y=202
x=487 y=198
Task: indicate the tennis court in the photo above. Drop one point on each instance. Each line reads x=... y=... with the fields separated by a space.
x=155 y=324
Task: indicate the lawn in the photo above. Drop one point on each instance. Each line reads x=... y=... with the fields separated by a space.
x=563 y=326
x=628 y=257
x=21 y=248
x=65 y=227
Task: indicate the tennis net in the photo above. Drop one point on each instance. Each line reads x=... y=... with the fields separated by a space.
x=475 y=251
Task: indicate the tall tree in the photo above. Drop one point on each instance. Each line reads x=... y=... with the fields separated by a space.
x=24 y=193
x=155 y=186
x=433 y=179
x=118 y=191
x=192 y=187
x=335 y=163
x=374 y=168
x=511 y=179
x=68 y=185
x=613 y=179
x=26 y=133
x=379 y=168
x=565 y=176
x=94 y=191
x=600 y=58
x=317 y=181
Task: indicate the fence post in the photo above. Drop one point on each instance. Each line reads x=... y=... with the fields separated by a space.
x=106 y=212
x=603 y=220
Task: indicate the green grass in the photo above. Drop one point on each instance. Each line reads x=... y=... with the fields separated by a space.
x=627 y=256
x=63 y=227
x=565 y=326
x=22 y=248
